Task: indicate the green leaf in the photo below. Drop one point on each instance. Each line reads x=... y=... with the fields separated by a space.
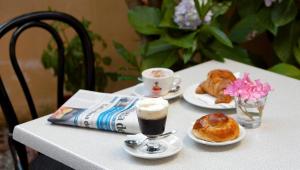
x=220 y=8
x=185 y=41
x=235 y=53
x=284 y=12
x=86 y=23
x=50 y=59
x=202 y=7
x=145 y=20
x=248 y=7
x=106 y=60
x=198 y=8
x=244 y=29
x=286 y=69
x=50 y=9
x=46 y=59
x=113 y=76
x=218 y=34
x=129 y=57
x=157 y=46
x=168 y=9
x=188 y=53
x=264 y=19
x=297 y=52
x=211 y=55
x=170 y=59
x=161 y=59
x=285 y=41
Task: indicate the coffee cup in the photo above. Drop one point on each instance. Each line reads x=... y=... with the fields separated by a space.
x=159 y=81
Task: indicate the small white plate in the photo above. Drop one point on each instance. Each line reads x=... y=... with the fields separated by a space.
x=241 y=136
x=204 y=100
x=140 y=92
x=173 y=143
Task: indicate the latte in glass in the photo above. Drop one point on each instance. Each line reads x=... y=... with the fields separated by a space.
x=152 y=115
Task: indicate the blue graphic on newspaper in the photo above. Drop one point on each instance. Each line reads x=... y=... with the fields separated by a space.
x=111 y=113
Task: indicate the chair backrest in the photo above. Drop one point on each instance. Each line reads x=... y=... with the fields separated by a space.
x=36 y=19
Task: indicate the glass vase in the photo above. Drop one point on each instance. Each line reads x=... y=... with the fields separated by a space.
x=249 y=112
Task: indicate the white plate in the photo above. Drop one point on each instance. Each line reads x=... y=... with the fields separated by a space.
x=241 y=136
x=140 y=92
x=204 y=100
x=173 y=143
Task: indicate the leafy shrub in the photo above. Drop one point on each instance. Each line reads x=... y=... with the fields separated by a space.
x=187 y=32
x=74 y=58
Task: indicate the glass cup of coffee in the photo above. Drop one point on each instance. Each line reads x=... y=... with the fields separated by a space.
x=158 y=81
x=152 y=115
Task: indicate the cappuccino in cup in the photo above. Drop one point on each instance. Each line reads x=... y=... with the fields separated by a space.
x=158 y=81
x=152 y=115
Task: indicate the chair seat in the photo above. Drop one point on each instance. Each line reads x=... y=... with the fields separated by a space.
x=46 y=163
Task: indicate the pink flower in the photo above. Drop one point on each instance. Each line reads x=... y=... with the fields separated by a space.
x=247 y=89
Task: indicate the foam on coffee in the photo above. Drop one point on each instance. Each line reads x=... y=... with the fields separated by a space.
x=152 y=108
x=157 y=73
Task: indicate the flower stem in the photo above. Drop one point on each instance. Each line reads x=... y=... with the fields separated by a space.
x=245 y=112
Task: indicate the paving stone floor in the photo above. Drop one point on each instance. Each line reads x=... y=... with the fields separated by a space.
x=6 y=162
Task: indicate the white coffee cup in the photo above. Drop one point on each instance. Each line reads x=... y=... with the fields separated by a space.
x=159 y=81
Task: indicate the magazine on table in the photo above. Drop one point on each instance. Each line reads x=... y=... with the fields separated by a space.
x=110 y=112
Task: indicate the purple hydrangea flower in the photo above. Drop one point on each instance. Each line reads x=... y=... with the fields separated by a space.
x=208 y=17
x=186 y=15
x=268 y=3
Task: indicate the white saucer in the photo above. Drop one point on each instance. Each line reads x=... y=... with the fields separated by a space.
x=241 y=136
x=173 y=143
x=140 y=92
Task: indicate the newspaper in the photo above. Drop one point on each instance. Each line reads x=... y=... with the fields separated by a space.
x=110 y=112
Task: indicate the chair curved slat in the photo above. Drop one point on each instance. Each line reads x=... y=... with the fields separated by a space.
x=13 y=58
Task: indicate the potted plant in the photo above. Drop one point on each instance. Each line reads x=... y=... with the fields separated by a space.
x=74 y=64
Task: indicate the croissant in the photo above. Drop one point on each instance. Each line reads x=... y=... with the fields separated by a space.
x=216 y=127
x=217 y=80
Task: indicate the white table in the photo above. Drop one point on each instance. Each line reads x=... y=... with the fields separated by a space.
x=274 y=145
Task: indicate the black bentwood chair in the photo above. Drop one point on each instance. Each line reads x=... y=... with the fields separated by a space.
x=20 y=24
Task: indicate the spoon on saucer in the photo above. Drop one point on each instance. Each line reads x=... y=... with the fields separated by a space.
x=175 y=86
x=174 y=89
x=133 y=142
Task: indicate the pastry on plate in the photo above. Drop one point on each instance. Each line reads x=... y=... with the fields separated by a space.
x=216 y=127
x=217 y=80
